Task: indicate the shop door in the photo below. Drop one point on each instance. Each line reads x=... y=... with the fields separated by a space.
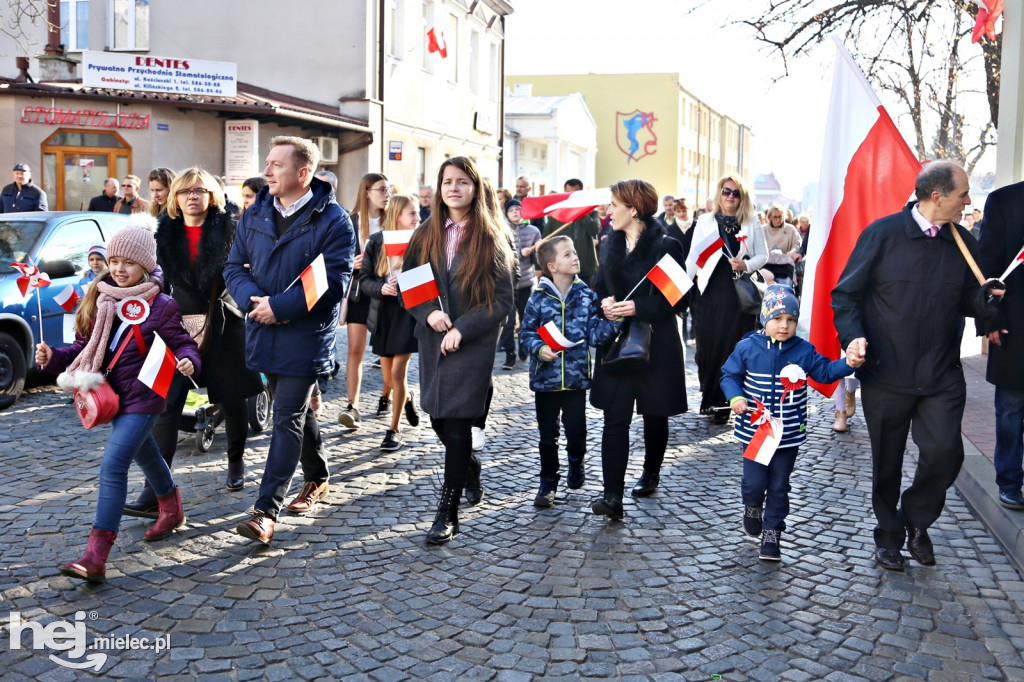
x=75 y=164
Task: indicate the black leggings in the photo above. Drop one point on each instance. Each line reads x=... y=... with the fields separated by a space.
x=455 y=434
x=615 y=443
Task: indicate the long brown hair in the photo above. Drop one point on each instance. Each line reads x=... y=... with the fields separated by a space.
x=362 y=208
x=398 y=203
x=484 y=247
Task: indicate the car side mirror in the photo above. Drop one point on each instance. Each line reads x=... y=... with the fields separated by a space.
x=57 y=269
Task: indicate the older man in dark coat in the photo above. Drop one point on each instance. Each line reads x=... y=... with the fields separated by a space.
x=1002 y=239
x=899 y=300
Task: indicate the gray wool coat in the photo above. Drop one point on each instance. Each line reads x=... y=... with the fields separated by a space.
x=455 y=385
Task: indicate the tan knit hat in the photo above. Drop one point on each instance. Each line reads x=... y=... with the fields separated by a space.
x=134 y=243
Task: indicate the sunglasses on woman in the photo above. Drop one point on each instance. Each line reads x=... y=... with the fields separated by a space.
x=726 y=192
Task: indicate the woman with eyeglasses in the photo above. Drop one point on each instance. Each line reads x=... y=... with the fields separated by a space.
x=193 y=239
x=718 y=322
x=367 y=218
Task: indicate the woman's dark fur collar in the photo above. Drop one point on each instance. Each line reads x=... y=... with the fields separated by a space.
x=622 y=271
x=214 y=245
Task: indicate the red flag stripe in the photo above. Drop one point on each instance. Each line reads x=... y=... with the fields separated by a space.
x=665 y=285
x=709 y=252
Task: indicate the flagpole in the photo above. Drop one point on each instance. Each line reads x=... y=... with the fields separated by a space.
x=634 y=288
x=39 y=301
x=189 y=378
x=544 y=239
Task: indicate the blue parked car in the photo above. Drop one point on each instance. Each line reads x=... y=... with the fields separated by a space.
x=58 y=242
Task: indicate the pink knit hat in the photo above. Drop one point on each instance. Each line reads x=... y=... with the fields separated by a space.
x=134 y=243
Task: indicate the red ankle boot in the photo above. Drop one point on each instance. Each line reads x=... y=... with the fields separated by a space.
x=93 y=564
x=172 y=516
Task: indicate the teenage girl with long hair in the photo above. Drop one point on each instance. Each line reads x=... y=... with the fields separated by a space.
x=392 y=328
x=468 y=251
x=367 y=217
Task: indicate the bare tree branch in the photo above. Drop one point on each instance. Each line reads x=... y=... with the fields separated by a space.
x=19 y=20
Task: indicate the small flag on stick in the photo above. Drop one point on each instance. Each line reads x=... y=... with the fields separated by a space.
x=158 y=367
x=417 y=286
x=1017 y=260
x=670 y=279
x=396 y=242
x=554 y=338
x=68 y=298
x=765 y=442
x=314 y=281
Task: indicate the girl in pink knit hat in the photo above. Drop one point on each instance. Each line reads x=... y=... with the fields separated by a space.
x=119 y=317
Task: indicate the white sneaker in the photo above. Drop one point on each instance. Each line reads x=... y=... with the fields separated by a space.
x=479 y=438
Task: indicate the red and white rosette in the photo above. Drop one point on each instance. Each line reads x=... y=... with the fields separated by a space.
x=793 y=377
x=133 y=311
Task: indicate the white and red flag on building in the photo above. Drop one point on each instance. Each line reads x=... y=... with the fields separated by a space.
x=867 y=172
x=417 y=286
x=436 y=42
x=670 y=279
x=31 y=277
x=767 y=436
x=705 y=252
x=985 y=22
x=396 y=241
x=566 y=207
x=68 y=298
x=314 y=281
x=158 y=367
x=554 y=338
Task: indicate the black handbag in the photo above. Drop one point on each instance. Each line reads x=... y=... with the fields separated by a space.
x=630 y=350
x=750 y=288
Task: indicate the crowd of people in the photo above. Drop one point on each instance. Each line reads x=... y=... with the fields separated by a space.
x=575 y=300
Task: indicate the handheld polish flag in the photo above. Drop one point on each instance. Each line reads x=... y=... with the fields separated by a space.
x=158 y=367
x=396 y=241
x=1017 y=260
x=417 y=286
x=766 y=438
x=314 y=281
x=867 y=171
x=68 y=298
x=554 y=338
x=565 y=207
x=705 y=252
x=670 y=279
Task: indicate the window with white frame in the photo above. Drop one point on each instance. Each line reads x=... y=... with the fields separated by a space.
x=128 y=24
x=428 y=23
x=474 y=62
x=74 y=25
x=395 y=25
x=495 y=74
x=452 y=39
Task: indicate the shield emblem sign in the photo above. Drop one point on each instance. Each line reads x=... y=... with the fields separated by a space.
x=634 y=134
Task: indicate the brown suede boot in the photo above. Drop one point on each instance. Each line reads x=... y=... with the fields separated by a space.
x=93 y=564
x=172 y=515
x=840 y=424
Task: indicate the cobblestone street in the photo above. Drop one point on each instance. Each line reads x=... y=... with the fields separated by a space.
x=350 y=592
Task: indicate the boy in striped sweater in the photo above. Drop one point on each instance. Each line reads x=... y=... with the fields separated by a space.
x=772 y=366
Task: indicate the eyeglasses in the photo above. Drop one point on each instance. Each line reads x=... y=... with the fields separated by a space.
x=382 y=190
x=726 y=192
x=198 y=193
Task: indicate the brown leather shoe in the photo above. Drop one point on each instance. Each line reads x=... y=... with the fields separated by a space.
x=307 y=498
x=259 y=528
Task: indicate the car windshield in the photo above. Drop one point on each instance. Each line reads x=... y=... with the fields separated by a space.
x=17 y=237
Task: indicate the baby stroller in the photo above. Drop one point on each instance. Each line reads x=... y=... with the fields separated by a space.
x=203 y=417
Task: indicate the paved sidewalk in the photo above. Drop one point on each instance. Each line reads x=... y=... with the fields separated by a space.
x=352 y=592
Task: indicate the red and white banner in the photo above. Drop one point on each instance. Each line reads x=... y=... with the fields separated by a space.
x=68 y=298
x=705 y=252
x=867 y=172
x=314 y=281
x=158 y=368
x=554 y=338
x=566 y=207
x=396 y=241
x=766 y=438
x=670 y=279
x=417 y=286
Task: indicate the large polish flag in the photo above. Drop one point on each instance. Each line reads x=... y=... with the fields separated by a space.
x=867 y=172
x=158 y=368
x=566 y=207
x=417 y=285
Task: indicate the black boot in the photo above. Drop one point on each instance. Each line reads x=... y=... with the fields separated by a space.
x=474 y=489
x=608 y=505
x=145 y=504
x=236 y=474
x=576 y=477
x=446 y=523
x=647 y=484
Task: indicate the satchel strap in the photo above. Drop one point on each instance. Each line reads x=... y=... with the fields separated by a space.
x=117 y=356
x=137 y=333
x=967 y=254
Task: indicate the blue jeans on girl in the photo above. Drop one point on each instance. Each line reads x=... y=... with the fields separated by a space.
x=131 y=438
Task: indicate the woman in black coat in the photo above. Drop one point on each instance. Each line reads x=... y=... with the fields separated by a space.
x=637 y=243
x=193 y=240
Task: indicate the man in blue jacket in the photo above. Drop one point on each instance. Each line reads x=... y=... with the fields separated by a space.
x=295 y=219
x=22 y=195
x=899 y=302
